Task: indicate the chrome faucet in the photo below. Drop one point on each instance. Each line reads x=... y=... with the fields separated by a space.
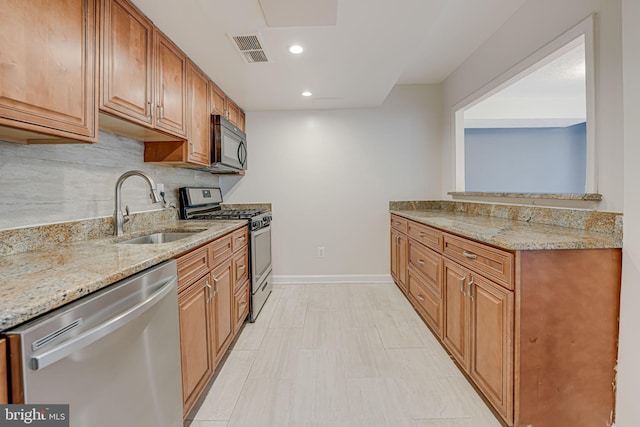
x=119 y=218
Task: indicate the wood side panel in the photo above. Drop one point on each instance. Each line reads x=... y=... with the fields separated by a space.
x=567 y=333
x=15 y=376
x=4 y=383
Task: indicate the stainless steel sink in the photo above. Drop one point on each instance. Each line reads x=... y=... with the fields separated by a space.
x=156 y=238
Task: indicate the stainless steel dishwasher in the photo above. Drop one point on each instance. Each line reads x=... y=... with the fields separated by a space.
x=113 y=356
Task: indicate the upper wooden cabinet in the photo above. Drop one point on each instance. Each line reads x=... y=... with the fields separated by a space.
x=48 y=83
x=224 y=106
x=126 y=72
x=171 y=86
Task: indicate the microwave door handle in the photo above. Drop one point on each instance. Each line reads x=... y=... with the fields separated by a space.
x=243 y=153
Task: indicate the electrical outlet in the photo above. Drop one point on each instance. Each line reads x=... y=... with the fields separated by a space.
x=320 y=251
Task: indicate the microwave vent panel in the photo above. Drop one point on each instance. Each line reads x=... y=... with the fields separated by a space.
x=250 y=48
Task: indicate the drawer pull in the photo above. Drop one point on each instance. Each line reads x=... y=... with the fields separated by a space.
x=240 y=239
x=462 y=285
x=421 y=262
x=420 y=297
x=469 y=255
x=471 y=282
x=397 y=222
x=215 y=282
x=422 y=234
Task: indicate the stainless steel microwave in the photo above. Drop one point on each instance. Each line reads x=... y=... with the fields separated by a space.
x=228 y=147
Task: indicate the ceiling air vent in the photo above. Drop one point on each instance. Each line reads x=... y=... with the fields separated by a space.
x=250 y=47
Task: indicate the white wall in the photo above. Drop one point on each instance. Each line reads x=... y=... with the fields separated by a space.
x=331 y=173
x=43 y=184
x=628 y=410
x=537 y=23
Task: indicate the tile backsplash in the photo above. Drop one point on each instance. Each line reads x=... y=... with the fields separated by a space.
x=44 y=184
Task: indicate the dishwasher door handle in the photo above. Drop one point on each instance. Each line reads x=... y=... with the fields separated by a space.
x=50 y=356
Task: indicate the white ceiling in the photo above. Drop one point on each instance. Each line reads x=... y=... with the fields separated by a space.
x=374 y=45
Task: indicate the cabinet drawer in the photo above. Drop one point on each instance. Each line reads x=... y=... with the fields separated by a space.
x=399 y=223
x=427 y=262
x=493 y=263
x=240 y=268
x=192 y=266
x=239 y=239
x=426 y=235
x=428 y=304
x=241 y=305
x=219 y=250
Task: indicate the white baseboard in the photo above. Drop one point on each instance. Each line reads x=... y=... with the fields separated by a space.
x=319 y=279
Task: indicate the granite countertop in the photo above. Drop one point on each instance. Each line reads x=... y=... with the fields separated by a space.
x=35 y=282
x=512 y=234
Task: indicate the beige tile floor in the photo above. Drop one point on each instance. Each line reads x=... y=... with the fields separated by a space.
x=351 y=355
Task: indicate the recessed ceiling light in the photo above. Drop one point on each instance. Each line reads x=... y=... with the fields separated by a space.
x=306 y=93
x=296 y=49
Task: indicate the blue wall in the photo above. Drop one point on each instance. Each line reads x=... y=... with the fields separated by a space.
x=526 y=160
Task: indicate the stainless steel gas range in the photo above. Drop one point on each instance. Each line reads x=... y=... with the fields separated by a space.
x=203 y=203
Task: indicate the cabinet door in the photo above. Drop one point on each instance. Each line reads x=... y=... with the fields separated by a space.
x=241 y=120
x=217 y=99
x=171 y=86
x=199 y=118
x=399 y=259
x=222 y=278
x=491 y=334
x=126 y=72
x=48 y=81
x=456 y=312
x=233 y=112
x=196 y=314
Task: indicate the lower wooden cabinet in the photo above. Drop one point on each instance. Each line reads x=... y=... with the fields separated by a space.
x=212 y=310
x=530 y=370
x=196 y=340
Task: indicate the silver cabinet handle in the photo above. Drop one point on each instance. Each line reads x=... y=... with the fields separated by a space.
x=191 y=147
x=398 y=223
x=215 y=282
x=462 y=285
x=210 y=291
x=421 y=262
x=469 y=255
x=50 y=356
x=471 y=282
x=241 y=238
x=422 y=234
x=420 y=297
